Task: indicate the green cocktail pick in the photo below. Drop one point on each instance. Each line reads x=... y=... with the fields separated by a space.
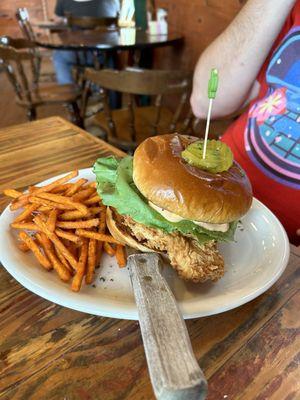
x=212 y=91
x=213 y=83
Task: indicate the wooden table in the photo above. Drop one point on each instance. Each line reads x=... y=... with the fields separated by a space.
x=51 y=25
x=51 y=352
x=108 y=39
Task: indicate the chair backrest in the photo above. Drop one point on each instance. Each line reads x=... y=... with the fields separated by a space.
x=17 y=43
x=89 y=22
x=13 y=54
x=24 y=23
x=136 y=81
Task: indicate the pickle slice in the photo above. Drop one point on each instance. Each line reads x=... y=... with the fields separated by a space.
x=218 y=157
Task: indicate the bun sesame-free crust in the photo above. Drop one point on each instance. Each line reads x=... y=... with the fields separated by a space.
x=167 y=180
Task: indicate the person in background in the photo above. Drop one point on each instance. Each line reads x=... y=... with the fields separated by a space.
x=258 y=58
x=64 y=60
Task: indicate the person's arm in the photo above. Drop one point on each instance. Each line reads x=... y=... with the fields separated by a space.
x=238 y=53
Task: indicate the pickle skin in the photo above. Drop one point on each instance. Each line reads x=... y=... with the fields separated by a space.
x=219 y=157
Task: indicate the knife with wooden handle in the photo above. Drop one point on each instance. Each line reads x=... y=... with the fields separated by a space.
x=174 y=371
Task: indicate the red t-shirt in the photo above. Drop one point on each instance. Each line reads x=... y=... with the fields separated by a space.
x=265 y=140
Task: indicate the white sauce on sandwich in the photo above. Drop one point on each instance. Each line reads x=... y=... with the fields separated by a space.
x=176 y=218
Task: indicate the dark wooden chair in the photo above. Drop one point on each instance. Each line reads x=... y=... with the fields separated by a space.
x=22 y=17
x=24 y=23
x=91 y=23
x=128 y=126
x=74 y=22
x=18 y=61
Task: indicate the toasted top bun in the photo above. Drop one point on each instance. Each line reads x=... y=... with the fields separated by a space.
x=167 y=180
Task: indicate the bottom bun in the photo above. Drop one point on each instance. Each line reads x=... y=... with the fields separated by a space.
x=122 y=236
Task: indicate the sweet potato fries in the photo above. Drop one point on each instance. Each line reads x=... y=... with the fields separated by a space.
x=63 y=224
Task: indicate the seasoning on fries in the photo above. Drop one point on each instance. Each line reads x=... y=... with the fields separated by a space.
x=52 y=220
x=98 y=236
x=31 y=244
x=91 y=261
x=120 y=255
x=81 y=267
x=64 y=225
x=109 y=249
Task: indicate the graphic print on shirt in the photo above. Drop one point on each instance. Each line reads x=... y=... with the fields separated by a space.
x=272 y=135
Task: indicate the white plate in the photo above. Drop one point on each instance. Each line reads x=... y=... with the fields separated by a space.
x=253 y=263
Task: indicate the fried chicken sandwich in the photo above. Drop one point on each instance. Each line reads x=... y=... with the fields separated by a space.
x=169 y=198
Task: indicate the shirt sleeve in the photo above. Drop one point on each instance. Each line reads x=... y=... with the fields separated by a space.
x=59 y=8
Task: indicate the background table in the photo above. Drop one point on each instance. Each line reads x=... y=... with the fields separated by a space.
x=50 y=352
x=107 y=39
x=51 y=25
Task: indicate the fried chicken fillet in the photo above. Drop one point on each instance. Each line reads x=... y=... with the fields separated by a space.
x=192 y=261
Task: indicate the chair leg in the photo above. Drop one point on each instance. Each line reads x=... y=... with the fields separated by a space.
x=38 y=68
x=85 y=97
x=75 y=114
x=31 y=114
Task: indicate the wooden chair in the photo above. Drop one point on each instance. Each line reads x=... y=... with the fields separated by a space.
x=22 y=17
x=18 y=61
x=24 y=23
x=90 y=22
x=128 y=126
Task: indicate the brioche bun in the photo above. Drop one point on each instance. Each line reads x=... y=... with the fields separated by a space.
x=167 y=180
x=119 y=233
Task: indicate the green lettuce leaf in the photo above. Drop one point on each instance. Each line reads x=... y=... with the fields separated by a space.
x=117 y=189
